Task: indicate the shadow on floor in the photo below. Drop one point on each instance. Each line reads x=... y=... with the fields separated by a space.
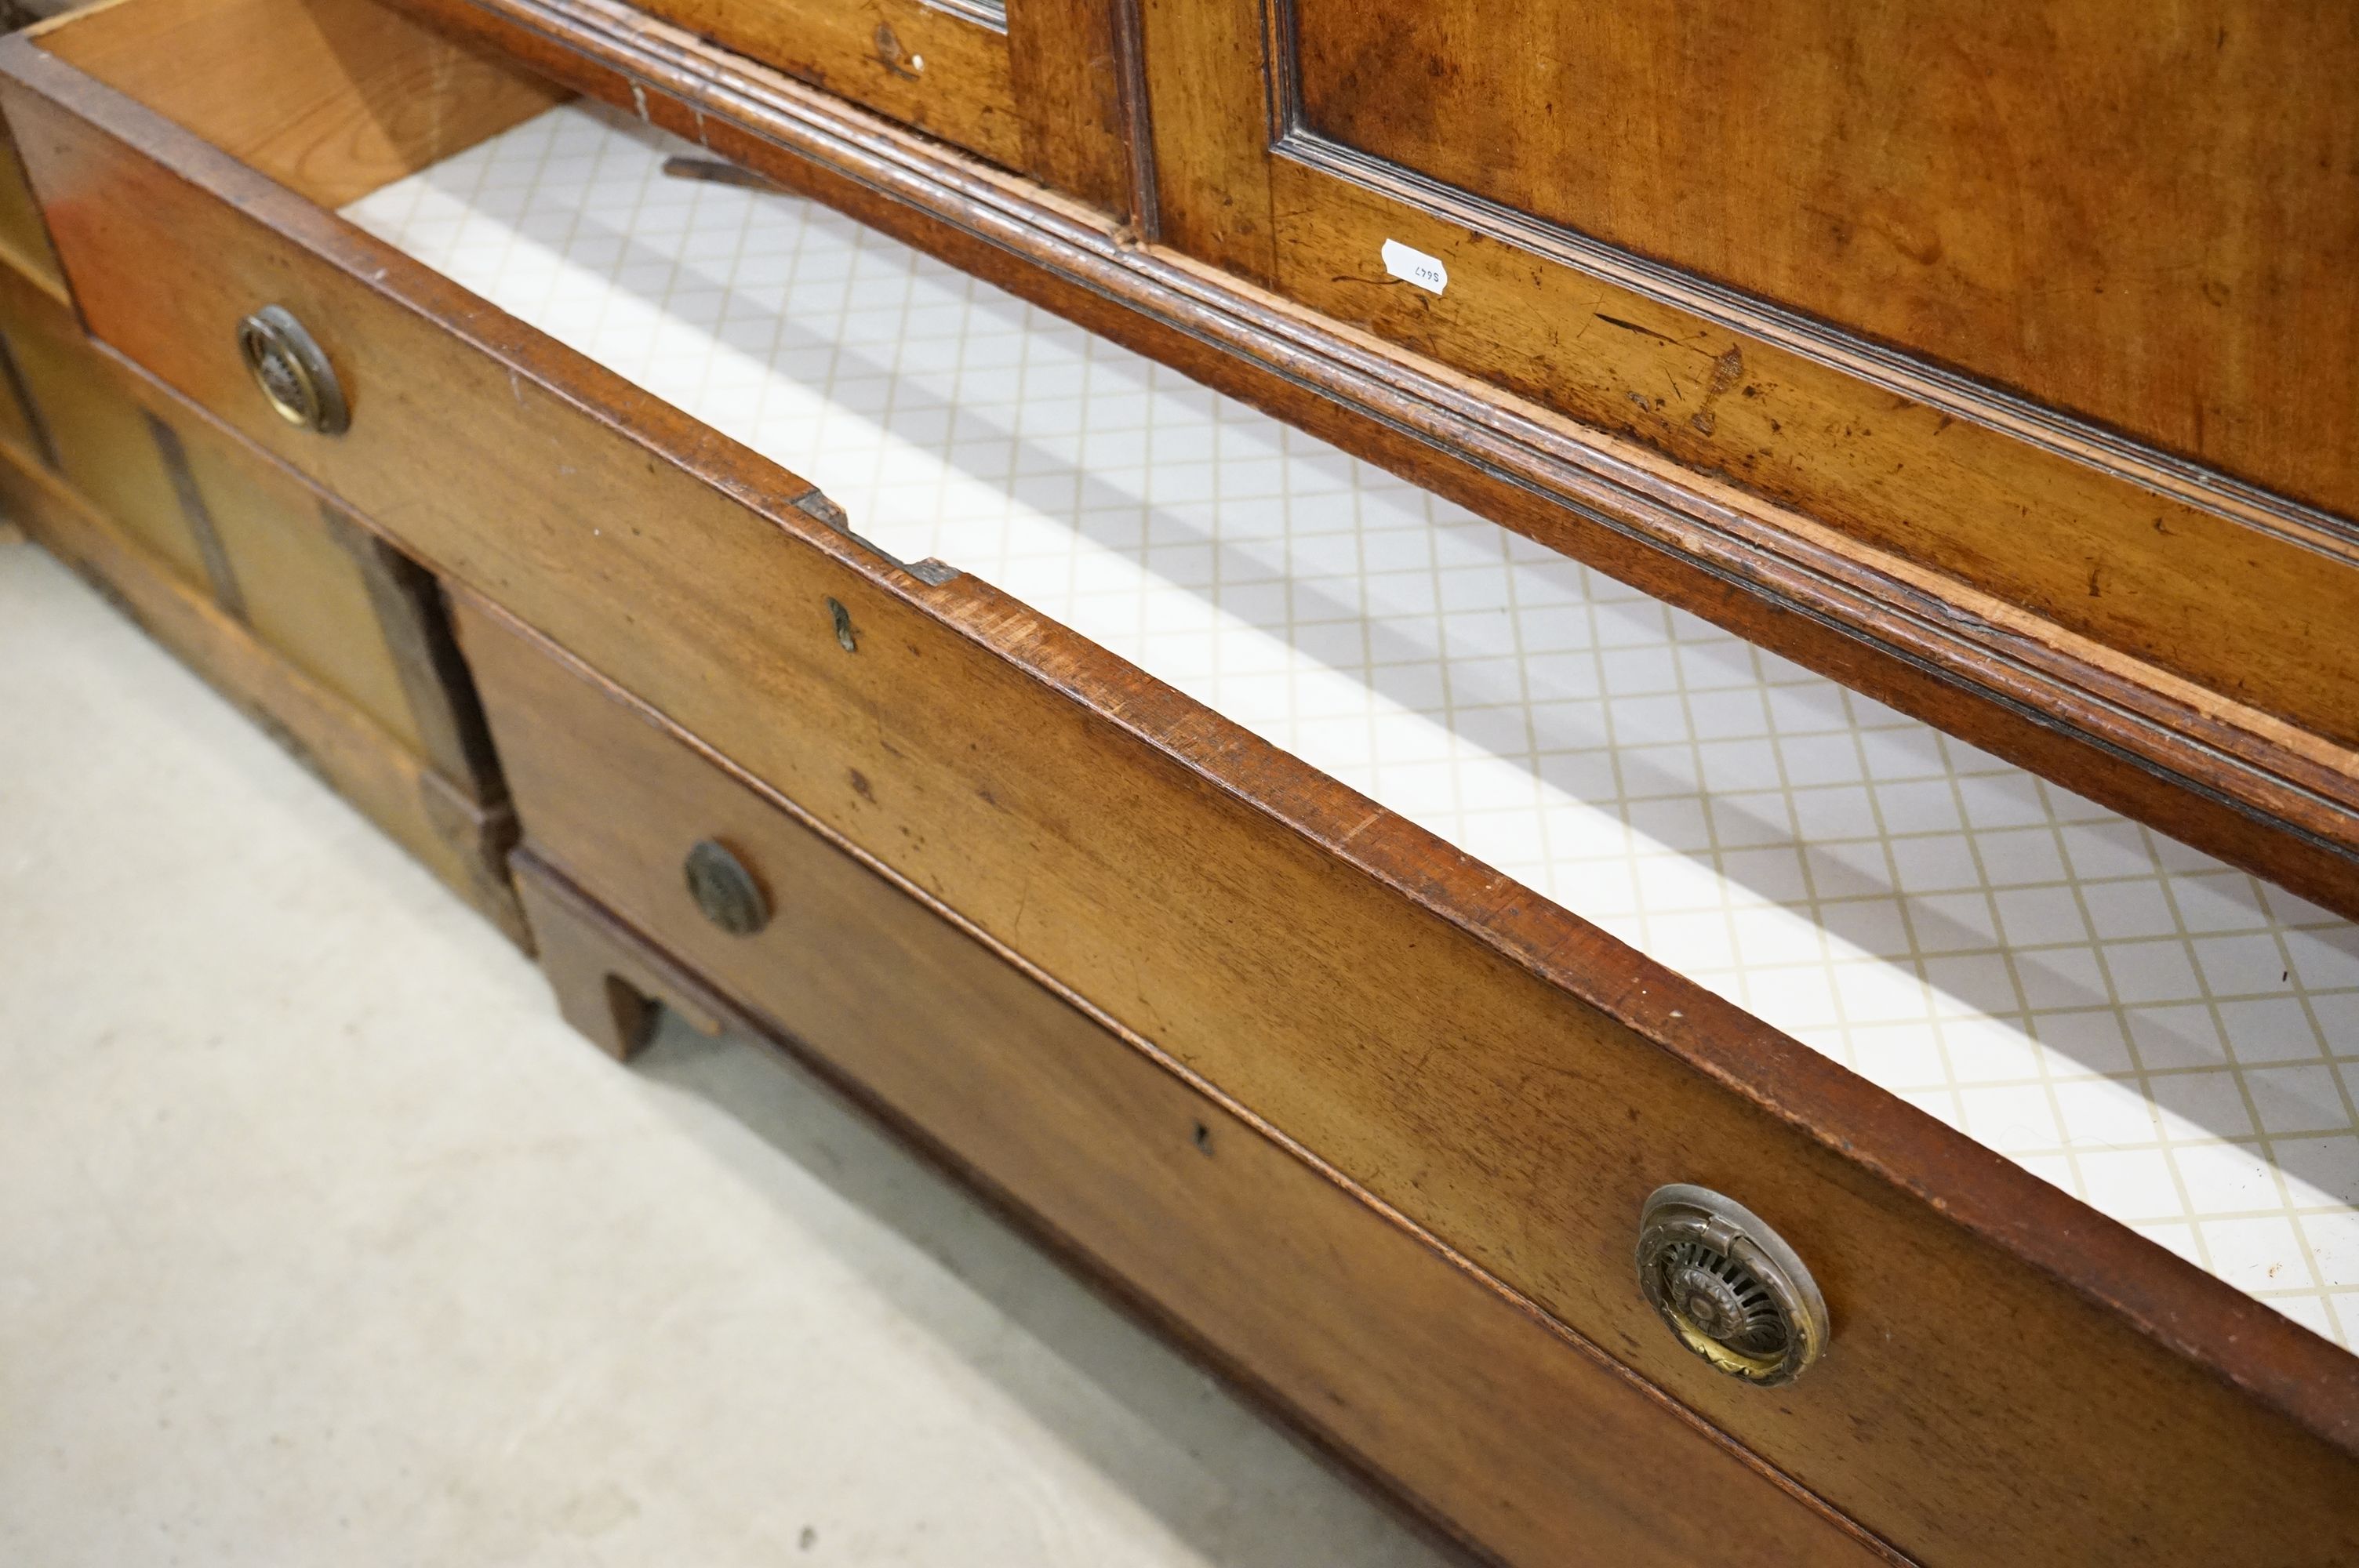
x=1247 y=1497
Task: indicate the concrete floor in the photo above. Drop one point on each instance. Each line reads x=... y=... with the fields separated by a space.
x=323 y=1241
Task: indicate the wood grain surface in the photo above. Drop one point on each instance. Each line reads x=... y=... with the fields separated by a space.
x=95 y=435
x=942 y=72
x=1485 y=1416
x=2251 y=613
x=1502 y=1075
x=2240 y=593
x=357 y=94
x=1081 y=103
x=1208 y=113
x=2138 y=211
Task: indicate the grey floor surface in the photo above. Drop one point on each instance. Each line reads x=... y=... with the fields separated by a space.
x=323 y=1242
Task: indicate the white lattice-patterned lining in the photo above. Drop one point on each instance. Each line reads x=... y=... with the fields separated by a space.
x=2162 y=1036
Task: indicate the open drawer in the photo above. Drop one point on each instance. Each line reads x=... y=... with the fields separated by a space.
x=335 y=641
x=2012 y=1376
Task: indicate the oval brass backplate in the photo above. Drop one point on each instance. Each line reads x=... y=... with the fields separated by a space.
x=292 y=372
x=724 y=890
x=1729 y=1286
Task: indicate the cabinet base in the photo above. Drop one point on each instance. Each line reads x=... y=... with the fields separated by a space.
x=461 y=841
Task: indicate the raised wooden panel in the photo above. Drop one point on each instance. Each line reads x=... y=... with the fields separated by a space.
x=2142 y=212
x=939 y=70
x=313 y=585
x=2173 y=578
x=2255 y=614
x=1046 y=87
x=302 y=591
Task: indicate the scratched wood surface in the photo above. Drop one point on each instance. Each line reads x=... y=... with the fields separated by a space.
x=934 y=69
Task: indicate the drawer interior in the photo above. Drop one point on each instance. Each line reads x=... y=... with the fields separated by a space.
x=2167 y=1038
x=331 y=100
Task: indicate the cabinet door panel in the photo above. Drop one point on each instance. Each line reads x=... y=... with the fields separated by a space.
x=1828 y=253
x=1037 y=85
x=2141 y=213
x=941 y=71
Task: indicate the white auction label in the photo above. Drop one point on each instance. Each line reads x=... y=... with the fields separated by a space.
x=1414 y=266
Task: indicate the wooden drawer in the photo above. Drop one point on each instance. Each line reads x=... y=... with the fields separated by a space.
x=2160 y=638
x=333 y=637
x=348 y=610
x=1399 y=1355
x=2012 y=1378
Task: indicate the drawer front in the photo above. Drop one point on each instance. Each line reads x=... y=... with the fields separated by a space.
x=2011 y=1378
x=1397 y=1356
x=344 y=607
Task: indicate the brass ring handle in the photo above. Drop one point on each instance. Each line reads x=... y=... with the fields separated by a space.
x=293 y=372
x=1729 y=1286
x=724 y=890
